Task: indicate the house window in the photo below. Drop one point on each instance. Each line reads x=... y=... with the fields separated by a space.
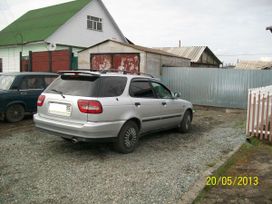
x=94 y=23
x=1 y=65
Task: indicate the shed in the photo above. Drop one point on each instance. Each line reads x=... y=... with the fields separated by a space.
x=112 y=54
x=201 y=56
x=257 y=65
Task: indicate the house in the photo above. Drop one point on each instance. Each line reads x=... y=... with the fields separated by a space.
x=111 y=54
x=48 y=39
x=201 y=56
x=257 y=65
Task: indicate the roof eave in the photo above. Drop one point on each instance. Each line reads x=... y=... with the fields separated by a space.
x=133 y=46
x=112 y=20
x=25 y=43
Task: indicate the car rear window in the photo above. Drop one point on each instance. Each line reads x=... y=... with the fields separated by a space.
x=88 y=86
x=6 y=82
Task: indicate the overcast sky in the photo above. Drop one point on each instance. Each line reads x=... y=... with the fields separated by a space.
x=232 y=29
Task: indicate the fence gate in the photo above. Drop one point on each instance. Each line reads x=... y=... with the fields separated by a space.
x=259 y=113
x=47 y=61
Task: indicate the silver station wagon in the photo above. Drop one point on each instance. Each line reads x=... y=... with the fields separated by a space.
x=121 y=107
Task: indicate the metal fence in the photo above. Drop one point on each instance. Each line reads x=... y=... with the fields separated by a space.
x=215 y=87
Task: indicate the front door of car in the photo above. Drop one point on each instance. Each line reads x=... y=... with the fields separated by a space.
x=171 y=108
x=146 y=106
x=29 y=90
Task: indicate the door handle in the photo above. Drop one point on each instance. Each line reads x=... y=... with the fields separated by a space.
x=164 y=103
x=137 y=104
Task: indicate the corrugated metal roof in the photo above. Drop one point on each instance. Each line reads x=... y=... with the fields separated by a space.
x=246 y=64
x=141 y=48
x=194 y=53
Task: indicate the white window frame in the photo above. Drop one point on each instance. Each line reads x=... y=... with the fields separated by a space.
x=94 y=22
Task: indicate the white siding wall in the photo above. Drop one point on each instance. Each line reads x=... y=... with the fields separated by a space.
x=108 y=47
x=10 y=59
x=11 y=55
x=75 y=32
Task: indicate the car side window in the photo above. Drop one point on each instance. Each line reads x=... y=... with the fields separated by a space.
x=32 y=82
x=116 y=88
x=161 y=91
x=141 y=89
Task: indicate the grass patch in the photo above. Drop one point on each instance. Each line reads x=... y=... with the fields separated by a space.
x=221 y=171
x=240 y=124
x=245 y=151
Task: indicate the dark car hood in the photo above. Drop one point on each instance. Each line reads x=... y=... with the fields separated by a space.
x=3 y=91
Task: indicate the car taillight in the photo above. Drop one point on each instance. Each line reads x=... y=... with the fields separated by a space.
x=40 y=100
x=90 y=106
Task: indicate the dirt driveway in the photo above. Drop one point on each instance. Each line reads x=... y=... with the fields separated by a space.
x=40 y=168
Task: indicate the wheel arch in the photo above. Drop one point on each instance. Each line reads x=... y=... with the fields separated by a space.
x=190 y=110
x=136 y=120
x=16 y=102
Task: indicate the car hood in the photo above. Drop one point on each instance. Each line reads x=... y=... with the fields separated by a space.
x=3 y=91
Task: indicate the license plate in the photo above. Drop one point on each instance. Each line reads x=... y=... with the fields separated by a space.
x=60 y=109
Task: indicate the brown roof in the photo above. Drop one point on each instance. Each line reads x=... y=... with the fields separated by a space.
x=141 y=48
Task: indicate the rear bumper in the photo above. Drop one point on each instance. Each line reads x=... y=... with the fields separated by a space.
x=82 y=131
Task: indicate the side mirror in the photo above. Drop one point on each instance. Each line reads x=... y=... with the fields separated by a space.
x=177 y=94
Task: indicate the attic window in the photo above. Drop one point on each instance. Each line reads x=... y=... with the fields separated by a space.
x=94 y=23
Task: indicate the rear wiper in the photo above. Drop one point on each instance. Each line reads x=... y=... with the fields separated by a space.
x=59 y=92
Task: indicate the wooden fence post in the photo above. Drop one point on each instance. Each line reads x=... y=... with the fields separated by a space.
x=258 y=112
x=248 y=114
x=253 y=114
x=266 y=118
x=262 y=117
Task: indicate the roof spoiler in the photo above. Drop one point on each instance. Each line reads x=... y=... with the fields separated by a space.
x=82 y=72
x=104 y=71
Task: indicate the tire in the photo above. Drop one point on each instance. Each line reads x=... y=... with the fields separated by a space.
x=185 y=124
x=15 y=113
x=128 y=138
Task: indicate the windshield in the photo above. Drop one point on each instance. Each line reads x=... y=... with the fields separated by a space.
x=6 y=82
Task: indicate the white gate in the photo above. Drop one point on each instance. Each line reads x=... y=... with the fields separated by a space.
x=259 y=113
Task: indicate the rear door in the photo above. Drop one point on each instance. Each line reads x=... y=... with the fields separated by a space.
x=62 y=96
x=146 y=105
x=29 y=90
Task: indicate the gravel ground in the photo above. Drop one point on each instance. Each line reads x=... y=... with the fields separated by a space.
x=40 y=168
